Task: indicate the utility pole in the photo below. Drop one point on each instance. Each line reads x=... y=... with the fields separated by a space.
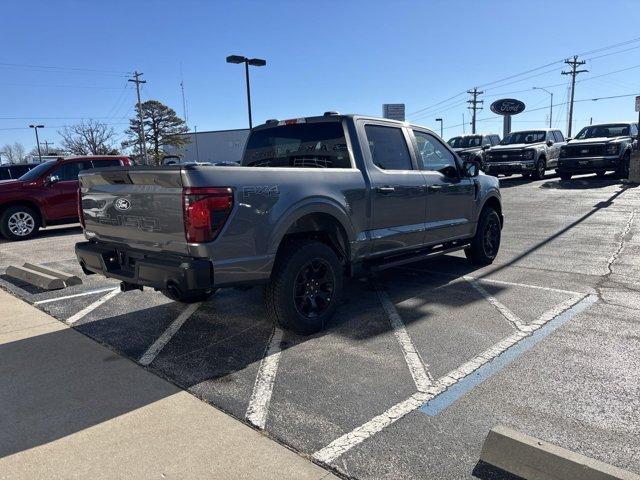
x=143 y=141
x=463 y=123
x=473 y=106
x=46 y=146
x=573 y=72
x=441 y=128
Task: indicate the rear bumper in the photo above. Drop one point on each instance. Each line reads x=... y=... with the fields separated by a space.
x=587 y=164
x=510 y=167
x=146 y=269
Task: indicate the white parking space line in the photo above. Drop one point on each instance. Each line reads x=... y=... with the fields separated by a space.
x=491 y=280
x=511 y=317
x=353 y=438
x=153 y=351
x=67 y=297
x=90 y=308
x=418 y=368
x=346 y=442
x=263 y=387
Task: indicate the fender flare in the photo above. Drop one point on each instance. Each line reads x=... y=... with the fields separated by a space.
x=309 y=206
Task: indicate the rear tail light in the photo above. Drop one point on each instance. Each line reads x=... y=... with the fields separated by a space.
x=205 y=212
x=80 y=211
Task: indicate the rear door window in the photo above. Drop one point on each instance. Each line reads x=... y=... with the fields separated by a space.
x=314 y=145
x=388 y=148
x=5 y=174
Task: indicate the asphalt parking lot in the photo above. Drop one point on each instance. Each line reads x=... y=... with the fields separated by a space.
x=420 y=361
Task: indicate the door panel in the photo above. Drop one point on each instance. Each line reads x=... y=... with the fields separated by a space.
x=62 y=195
x=398 y=195
x=450 y=197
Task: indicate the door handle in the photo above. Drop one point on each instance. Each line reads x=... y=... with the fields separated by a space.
x=436 y=187
x=386 y=189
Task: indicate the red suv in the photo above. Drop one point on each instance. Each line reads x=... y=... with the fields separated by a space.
x=46 y=195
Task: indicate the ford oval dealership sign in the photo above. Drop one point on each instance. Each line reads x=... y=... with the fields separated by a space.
x=507 y=106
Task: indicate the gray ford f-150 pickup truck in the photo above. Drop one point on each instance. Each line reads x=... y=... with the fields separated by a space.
x=314 y=200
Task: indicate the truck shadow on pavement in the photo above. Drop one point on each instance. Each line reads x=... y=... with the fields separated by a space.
x=584 y=183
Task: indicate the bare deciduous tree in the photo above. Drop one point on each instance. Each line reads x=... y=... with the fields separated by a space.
x=13 y=152
x=89 y=138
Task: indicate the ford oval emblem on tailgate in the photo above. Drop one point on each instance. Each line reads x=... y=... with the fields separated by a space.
x=122 y=204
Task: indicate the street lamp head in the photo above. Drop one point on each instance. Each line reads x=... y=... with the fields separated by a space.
x=438 y=119
x=236 y=59
x=36 y=126
x=257 y=62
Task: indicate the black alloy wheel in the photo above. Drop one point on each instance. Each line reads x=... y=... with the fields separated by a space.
x=313 y=288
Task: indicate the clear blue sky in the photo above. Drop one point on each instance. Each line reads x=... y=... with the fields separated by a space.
x=327 y=55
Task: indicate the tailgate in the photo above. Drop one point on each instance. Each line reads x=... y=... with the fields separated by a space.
x=139 y=206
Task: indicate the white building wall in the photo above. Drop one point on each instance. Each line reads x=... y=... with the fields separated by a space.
x=213 y=146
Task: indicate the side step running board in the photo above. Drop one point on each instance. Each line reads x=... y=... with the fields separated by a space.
x=413 y=258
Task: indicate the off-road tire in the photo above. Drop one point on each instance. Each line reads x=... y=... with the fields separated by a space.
x=623 y=169
x=478 y=252
x=280 y=293
x=22 y=211
x=539 y=172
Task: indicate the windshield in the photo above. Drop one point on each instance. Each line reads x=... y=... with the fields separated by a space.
x=532 y=136
x=37 y=171
x=319 y=145
x=465 y=142
x=613 y=130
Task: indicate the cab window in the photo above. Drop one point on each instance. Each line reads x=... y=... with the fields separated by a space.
x=69 y=171
x=388 y=148
x=559 y=136
x=433 y=155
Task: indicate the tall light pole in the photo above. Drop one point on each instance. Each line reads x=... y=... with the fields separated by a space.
x=441 y=129
x=36 y=127
x=255 y=62
x=550 y=105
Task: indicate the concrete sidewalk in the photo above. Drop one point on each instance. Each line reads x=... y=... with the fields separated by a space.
x=70 y=408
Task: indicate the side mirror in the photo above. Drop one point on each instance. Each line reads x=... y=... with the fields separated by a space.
x=450 y=171
x=471 y=168
x=51 y=179
x=549 y=143
x=486 y=147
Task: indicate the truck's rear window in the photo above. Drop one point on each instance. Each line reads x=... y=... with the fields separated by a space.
x=313 y=145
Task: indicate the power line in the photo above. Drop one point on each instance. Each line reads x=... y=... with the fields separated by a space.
x=601 y=49
x=69 y=69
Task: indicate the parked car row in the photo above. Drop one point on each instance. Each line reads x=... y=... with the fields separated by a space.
x=15 y=171
x=595 y=149
x=46 y=195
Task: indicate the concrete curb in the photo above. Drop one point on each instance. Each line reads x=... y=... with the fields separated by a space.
x=34 y=277
x=530 y=458
x=68 y=278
